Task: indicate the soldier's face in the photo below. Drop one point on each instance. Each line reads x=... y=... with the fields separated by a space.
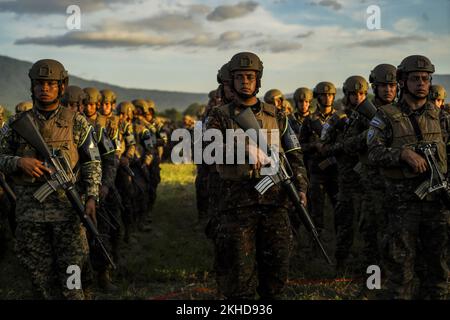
x=355 y=98
x=326 y=99
x=439 y=103
x=278 y=102
x=46 y=91
x=387 y=91
x=73 y=106
x=91 y=109
x=106 y=108
x=149 y=116
x=245 y=82
x=303 y=106
x=418 y=84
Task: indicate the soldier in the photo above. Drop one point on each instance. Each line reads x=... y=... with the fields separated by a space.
x=106 y=220
x=384 y=84
x=345 y=140
x=395 y=134
x=323 y=171
x=49 y=234
x=24 y=106
x=73 y=99
x=254 y=233
x=274 y=97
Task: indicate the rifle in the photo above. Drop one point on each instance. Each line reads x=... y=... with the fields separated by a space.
x=246 y=120
x=130 y=172
x=437 y=181
x=12 y=198
x=61 y=178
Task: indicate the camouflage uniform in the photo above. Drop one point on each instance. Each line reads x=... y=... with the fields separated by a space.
x=323 y=179
x=416 y=231
x=49 y=235
x=254 y=235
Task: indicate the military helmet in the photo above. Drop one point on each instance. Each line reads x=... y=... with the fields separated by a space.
x=383 y=73
x=303 y=94
x=355 y=84
x=212 y=94
x=73 y=94
x=324 y=87
x=151 y=104
x=246 y=61
x=223 y=75
x=24 y=106
x=271 y=95
x=438 y=92
x=91 y=95
x=141 y=104
x=48 y=69
x=2 y=110
x=108 y=96
x=414 y=63
x=125 y=106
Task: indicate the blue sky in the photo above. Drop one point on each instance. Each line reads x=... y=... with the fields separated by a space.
x=180 y=45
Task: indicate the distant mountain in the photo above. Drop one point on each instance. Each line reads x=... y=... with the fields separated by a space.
x=443 y=80
x=15 y=87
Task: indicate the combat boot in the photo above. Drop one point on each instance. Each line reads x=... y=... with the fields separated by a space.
x=105 y=283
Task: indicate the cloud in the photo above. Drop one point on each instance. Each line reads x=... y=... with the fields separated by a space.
x=168 y=22
x=305 y=35
x=226 y=12
x=277 y=46
x=406 y=25
x=54 y=6
x=99 y=39
x=390 y=41
x=334 y=4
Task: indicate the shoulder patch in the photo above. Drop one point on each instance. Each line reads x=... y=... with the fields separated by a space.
x=370 y=135
x=4 y=129
x=377 y=122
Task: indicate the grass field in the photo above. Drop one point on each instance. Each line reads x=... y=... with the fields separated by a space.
x=174 y=259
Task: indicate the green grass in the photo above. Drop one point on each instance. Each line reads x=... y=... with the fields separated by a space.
x=174 y=259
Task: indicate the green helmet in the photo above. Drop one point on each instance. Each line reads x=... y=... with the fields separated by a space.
x=303 y=94
x=383 y=73
x=91 y=95
x=414 y=63
x=125 y=106
x=48 y=69
x=355 y=84
x=223 y=75
x=151 y=104
x=24 y=106
x=324 y=87
x=271 y=95
x=108 y=96
x=437 y=92
x=141 y=104
x=73 y=94
x=246 y=61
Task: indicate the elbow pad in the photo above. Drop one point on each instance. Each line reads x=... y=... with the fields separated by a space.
x=88 y=150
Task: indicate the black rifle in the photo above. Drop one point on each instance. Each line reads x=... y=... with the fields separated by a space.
x=61 y=178
x=437 y=181
x=12 y=198
x=130 y=172
x=246 y=120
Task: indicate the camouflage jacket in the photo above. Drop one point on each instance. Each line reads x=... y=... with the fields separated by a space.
x=242 y=193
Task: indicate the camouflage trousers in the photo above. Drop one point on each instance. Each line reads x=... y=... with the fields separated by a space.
x=253 y=248
x=214 y=198
x=47 y=249
x=415 y=244
x=202 y=191
x=372 y=220
x=347 y=211
x=320 y=185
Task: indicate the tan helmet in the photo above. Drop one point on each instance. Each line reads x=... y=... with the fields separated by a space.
x=48 y=69
x=2 y=110
x=108 y=96
x=125 y=106
x=91 y=95
x=303 y=94
x=383 y=73
x=271 y=95
x=246 y=61
x=151 y=104
x=324 y=87
x=141 y=104
x=73 y=94
x=24 y=106
x=224 y=75
x=355 y=84
x=414 y=63
x=437 y=92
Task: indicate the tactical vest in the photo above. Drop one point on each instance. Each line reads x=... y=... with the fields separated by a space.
x=267 y=120
x=58 y=134
x=403 y=134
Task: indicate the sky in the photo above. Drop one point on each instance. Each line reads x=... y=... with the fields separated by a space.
x=179 y=45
